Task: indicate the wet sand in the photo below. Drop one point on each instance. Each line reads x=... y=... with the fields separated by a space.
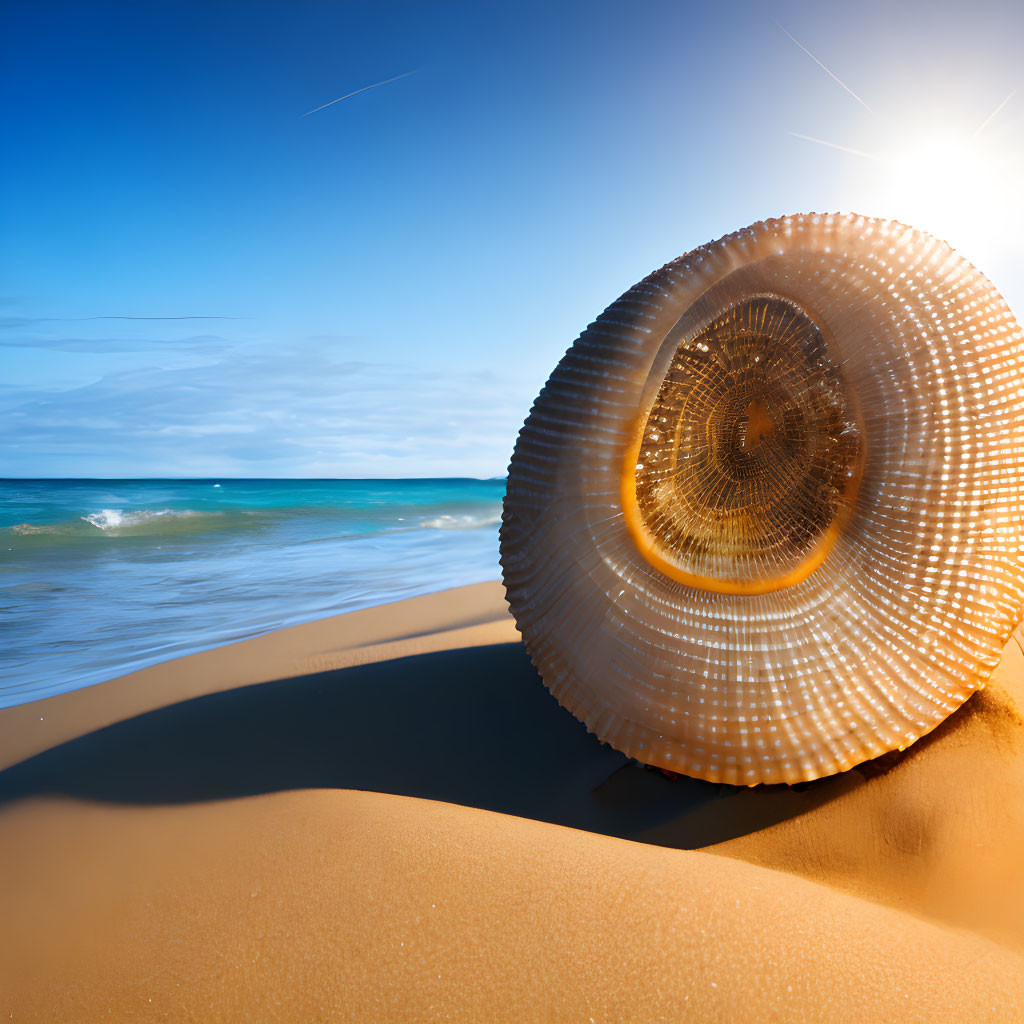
x=190 y=843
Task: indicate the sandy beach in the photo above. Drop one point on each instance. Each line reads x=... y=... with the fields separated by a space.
x=385 y=816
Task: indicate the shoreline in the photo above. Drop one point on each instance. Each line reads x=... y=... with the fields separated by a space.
x=467 y=616
x=384 y=815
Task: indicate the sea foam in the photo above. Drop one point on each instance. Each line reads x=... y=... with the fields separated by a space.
x=118 y=519
x=462 y=522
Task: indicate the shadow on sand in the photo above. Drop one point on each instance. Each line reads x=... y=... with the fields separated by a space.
x=473 y=726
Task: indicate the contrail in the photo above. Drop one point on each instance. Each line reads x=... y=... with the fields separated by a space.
x=365 y=88
x=835 y=78
x=835 y=145
x=984 y=124
x=24 y=321
x=80 y=319
x=150 y=318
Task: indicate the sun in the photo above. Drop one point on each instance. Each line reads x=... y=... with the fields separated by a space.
x=959 y=187
x=958 y=180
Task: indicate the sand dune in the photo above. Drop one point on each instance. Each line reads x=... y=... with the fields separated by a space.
x=940 y=833
x=185 y=845
x=324 y=905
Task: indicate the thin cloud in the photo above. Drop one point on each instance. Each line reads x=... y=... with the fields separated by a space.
x=297 y=411
x=365 y=88
x=103 y=346
x=834 y=77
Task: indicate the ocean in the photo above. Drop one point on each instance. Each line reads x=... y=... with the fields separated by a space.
x=101 y=577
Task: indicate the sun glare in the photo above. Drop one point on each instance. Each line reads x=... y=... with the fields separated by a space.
x=959 y=181
x=960 y=188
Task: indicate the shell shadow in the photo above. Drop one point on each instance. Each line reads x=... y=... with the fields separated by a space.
x=474 y=726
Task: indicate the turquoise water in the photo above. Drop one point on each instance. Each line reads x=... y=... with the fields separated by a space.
x=101 y=577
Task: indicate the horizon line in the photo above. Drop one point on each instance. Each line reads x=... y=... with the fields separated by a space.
x=204 y=479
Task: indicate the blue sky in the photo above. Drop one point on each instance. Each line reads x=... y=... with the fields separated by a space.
x=389 y=281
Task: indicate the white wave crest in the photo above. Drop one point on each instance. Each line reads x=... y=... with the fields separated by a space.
x=118 y=519
x=462 y=522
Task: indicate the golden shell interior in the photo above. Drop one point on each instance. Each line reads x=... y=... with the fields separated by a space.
x=747 y=463
x=762 y=522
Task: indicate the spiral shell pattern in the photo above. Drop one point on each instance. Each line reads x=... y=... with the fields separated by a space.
x=763 y=521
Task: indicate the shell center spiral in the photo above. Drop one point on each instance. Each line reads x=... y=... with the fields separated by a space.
x=746 y=466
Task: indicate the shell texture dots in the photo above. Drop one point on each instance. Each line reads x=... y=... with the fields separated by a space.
x=763 y=521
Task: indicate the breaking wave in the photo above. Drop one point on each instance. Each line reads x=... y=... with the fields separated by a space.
x=117 y=519
x=119 y=522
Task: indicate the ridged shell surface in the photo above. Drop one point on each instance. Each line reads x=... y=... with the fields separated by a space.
x=763 y=521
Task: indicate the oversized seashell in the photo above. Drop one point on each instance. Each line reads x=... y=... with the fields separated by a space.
x=762 y=522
